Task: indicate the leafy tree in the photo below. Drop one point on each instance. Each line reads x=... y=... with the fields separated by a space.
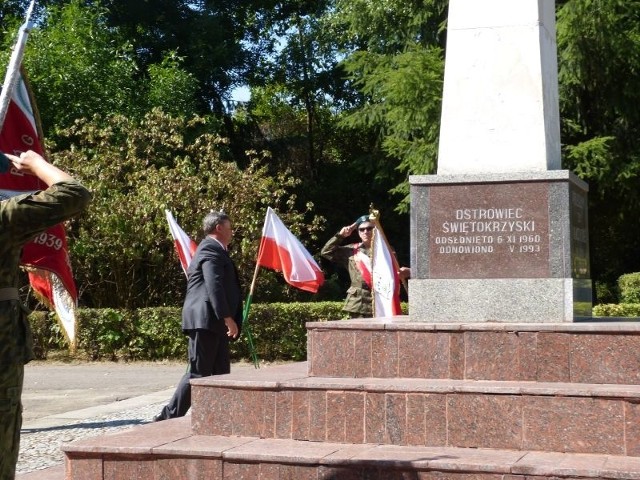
x=122 y=250
x=396 y=62
x=80 y=67
x=300 y=70
x=10 y=13
x=599 y=57
x=208 y=34
x=171 y=88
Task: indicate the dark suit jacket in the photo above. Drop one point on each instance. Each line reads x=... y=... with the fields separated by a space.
x=213 y=290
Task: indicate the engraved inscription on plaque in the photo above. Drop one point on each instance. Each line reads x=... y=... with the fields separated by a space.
x=489 y=231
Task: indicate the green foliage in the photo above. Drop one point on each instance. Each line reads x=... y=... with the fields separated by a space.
x=617 y=310
x=629 y=285
x=79 y=67
x=389 y=26
x=207 y=34
x=171 y=88
x=598 y=60
x=605 y=293
x=158 y=334
x=121 y=247
x=397 y=65
x=278 y=330
x=629 y=306
x=47 y=334
x=404 y=93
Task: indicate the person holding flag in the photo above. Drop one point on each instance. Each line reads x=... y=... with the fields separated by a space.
x=356 y=259
x=22 y=217
x=212 y=311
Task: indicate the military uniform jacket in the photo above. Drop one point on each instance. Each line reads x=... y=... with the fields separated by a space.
x=24 y=216
x=213 y=290
x=359 y=299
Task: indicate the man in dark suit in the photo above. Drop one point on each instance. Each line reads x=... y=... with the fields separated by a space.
x=212 y=311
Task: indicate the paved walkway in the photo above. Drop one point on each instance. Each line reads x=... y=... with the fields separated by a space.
x=41 y=439
x=68 y=402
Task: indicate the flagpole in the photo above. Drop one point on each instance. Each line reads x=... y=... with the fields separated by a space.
x=374 y=216
x=13 y=70
x=245 y=317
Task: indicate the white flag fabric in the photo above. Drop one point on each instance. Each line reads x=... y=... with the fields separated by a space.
x=280 y=250
x=184 y=245
x=385 y=280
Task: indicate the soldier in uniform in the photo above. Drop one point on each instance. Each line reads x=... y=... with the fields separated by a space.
x=21 y=218
x=356 y=258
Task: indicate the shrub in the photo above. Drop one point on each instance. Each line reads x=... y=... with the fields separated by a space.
x=278 y=331
x=617 y=310
x=47 y=334
x=629 y=285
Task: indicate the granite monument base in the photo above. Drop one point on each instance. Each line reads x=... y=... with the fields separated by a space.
x=538 y=300
x=499 y=247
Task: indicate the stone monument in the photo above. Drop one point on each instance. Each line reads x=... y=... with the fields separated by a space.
x=500 y=234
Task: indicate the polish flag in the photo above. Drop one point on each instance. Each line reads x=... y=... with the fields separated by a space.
x=185 y=247
x=385 y=279
x=280 y=250
x=46 y=256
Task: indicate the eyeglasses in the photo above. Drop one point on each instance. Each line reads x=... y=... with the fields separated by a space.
x=365 y=229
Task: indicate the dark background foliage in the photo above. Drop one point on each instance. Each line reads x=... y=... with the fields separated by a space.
x=137 y=99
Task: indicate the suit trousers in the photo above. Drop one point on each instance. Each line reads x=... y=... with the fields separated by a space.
x=208 y=355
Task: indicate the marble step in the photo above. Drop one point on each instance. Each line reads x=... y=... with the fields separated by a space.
x=52 y=473
x=587 y=352
x=169 y=450
x=283 y=402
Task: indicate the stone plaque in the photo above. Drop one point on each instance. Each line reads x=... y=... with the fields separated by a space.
x=580 y=267
x=498 y=230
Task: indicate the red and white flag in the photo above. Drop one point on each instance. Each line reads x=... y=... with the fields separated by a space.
x=385 y=279
x=185 y=247
x=281 y=250
x=46 y=256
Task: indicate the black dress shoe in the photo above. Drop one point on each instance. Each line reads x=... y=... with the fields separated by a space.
x=158 y=418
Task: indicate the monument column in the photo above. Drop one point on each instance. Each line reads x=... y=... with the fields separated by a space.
x=500 y=233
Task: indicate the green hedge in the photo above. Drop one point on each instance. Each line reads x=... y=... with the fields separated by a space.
x=629 y=306
x=629 y=285
x=617 y=310
x=278 y=330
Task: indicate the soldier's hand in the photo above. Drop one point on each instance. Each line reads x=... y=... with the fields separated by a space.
x=348 y=230
x=26 y=160
x=33 y=163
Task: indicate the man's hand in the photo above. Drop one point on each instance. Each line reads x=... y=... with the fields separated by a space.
x=348 y=230
x=232 y=327
x=404 y=273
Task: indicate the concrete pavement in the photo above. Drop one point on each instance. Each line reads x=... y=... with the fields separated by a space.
x=64 y=402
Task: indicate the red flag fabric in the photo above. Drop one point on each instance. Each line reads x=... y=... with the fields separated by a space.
x=280 y=250
x=185 y=247
x=47 y=256
x=386 y=282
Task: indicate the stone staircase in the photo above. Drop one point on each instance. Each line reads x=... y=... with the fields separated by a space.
x=399 y=399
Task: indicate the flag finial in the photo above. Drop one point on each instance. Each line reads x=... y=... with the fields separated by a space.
x=373 y=213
